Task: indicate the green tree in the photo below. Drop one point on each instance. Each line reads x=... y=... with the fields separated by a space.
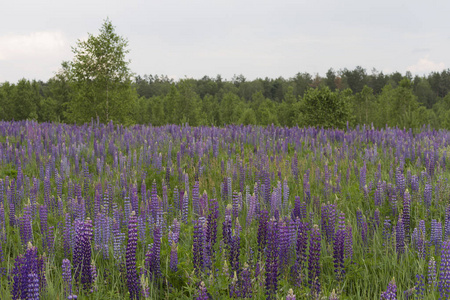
x=47 y=111
x=187 y=104
x=322 y=107
x=58 y=88
x=248 y=117
x=356 y=79
x=228 y=105
x=170 y=102
x=302 y=82
x=7 y=107
x=442 y=111
x=423 y=91
x=101 y=79
x=330 y=81
x=288 y=113
x=26 y=99
x=364 y=105
x=403 y=100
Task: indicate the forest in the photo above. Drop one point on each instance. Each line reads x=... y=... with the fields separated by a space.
x=374 y=99
x=98 y=85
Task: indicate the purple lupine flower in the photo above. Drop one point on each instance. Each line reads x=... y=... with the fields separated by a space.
x=406 y=213
x=420 y=286
x=302 y=243
x=168 y=176
x=1 y=254
x=67 y=278
x=12 y=207
x=174 y=257
x=1 y=191
x=444 y=271
x=296 y=211
x=364 y=231
x=359 y=218
x=414 y=184
x=94 y=276
x=82 y=255
x=206 y=244
x=386 y=231
x=324 y=218
x=227 y=227
x=50 y=239
x=331 y=222
x=252 y=205
x=175 y=231
x=119 y=238
x=235 y=201
x=307 y=193
x=427 y=194
x=285 y=194
x=2 y=222
x=132 y=276
x=313 y=262
x=245 y=283
x=391 y=291
x=339 y=248
x=33 y=287
x=392 y=196
x=377 y=197
x=284 y=245
x=202 y=292
x=16 y=272
x=432 y=274
x=47 y=191
x=43 y=213
x=400 y=236
x=198 y=246
x=447 y=223
x=20 y=275
x=272 y=258
x=376 y=218
x=154 y=201
x=234 y=287
x=26 y=232
x=185 y=210
x=436 y=235
x=348 y=242
x=141 y=227
x=290 y=295
x=400 y=182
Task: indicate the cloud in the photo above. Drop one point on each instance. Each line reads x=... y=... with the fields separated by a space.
x=421 y=50
x=33 y=45
x=425 y=65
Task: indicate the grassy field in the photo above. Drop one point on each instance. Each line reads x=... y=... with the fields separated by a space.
x=218 y=213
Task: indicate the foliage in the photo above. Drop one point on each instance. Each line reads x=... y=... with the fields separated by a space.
x=324 y=108
x=98 y=85
x=343 y=179
x=101 y=79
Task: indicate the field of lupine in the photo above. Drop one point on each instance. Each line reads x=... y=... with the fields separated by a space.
x=110 y=212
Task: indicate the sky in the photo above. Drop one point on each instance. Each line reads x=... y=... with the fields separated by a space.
x=258 y=39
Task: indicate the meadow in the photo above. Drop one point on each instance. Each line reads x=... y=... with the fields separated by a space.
x=103 y=211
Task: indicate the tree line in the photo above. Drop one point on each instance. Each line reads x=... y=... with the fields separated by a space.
x=98 y=84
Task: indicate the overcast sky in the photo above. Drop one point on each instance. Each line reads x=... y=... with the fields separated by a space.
x=259 y=38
